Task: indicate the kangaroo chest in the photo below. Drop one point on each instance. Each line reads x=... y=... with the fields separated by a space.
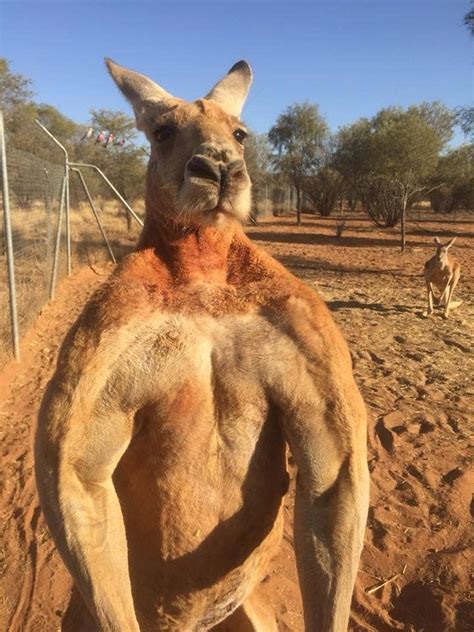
x=216 y=369
x=441 y=277
x=201 y=483
x=206 y=394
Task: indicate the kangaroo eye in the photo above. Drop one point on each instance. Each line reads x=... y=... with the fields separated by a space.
x=164 y=132
x=240 y=135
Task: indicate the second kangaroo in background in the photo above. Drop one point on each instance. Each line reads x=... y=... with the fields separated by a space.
x=443 y=272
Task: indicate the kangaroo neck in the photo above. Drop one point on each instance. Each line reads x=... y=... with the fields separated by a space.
x=198 y=253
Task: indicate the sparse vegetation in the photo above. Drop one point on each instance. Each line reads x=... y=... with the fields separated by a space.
x=298 y=137
x=390 y=158
x=453 y=181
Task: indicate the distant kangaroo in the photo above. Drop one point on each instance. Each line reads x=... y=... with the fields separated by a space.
x=443 y=271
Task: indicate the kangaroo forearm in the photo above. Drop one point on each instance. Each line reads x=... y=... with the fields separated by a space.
x=91 y=540
x=326 y=593
x=328 y=541
x=326 y=606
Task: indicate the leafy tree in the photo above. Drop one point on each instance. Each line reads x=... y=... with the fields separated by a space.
x=298 y=137
x=454 y=180
x=390 y=158
x=469 y=21
x=62 y=127
x=324 y=189
x=15 y=89
x=352 y=147
x=465 y=120
x=258 y=158
x=121 y=125
x=437 y=116
x=34 y=153
x=465 y=115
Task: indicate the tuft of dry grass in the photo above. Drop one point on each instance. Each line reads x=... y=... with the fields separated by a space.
x=33 y=235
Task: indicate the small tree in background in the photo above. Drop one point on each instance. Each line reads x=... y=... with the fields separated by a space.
x=298 y=137
x=390 y=158
x=15 y=89
x=454 y=181
x=258 y=159
x=469 y=21
x=326 y=187
x=465 y=120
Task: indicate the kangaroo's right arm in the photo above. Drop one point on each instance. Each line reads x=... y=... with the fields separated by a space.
x=85 y=424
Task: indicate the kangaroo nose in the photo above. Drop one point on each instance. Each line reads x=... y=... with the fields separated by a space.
x=202 y=167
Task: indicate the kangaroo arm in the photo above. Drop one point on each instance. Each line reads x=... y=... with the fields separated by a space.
x=83 y=513
x=82 y=433
x=329 y=528
x=325 y=426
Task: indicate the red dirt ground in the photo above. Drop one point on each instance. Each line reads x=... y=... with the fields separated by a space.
x=416 y=378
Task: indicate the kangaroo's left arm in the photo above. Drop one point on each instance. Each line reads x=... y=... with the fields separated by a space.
x=324 y=422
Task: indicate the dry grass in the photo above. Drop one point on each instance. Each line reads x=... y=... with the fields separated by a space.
x=33 y=234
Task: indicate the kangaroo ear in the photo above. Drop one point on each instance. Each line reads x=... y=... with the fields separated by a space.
x=231 y=91
x=451 y=242
x=437 y=241
x=137 y=88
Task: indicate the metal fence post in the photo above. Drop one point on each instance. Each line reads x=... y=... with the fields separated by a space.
x=96 y=214
x=68 y=226
x=9 y=243
x=66 y=176
x=57 y=243
x=104 y=177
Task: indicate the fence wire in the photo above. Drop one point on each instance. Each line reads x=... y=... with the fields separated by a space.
x=35 y=189
x=87 y=243
x=36 y=172
x=272 y=200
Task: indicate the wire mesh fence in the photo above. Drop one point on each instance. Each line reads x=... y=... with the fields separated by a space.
x=36 y=179
x=35 y=188
x=88 y=245
x=273 y=200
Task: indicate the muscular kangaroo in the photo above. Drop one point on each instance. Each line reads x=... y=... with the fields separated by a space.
x=161 y=444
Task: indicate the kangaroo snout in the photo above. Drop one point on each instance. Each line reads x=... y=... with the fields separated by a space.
x=202 y=167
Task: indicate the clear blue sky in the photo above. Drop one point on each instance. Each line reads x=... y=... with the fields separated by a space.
x=352 y=57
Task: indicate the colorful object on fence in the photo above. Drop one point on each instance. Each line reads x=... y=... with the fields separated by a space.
x=100 y=138
x=109 y=139
x=103 y=137
x=88 y=133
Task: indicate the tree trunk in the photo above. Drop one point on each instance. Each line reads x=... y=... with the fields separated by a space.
x=299 y=204
x=402 y=224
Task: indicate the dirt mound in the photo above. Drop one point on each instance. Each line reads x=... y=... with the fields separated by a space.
x=415 y=376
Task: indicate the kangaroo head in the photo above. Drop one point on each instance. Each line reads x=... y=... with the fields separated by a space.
x=442 y=249
x=197 y=174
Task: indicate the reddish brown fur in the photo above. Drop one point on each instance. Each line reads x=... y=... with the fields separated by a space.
x=161 y=446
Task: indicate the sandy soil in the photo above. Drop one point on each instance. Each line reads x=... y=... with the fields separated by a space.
x=415 y=375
